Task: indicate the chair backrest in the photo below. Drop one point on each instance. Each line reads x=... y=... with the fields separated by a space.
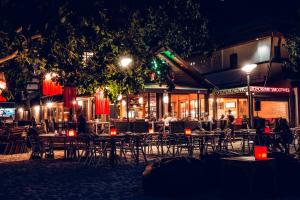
x=228 y=132
x=191 y=124
x=176 y=127
x=122 y=127
x=140 y=127
x=207 y=125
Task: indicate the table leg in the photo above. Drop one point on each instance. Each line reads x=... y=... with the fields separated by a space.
x=201 y=147
x=137 y=150
x=112 y=155
x=65 y=148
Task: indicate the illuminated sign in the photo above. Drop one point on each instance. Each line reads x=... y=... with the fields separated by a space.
x=230 y=105
x=256 y=89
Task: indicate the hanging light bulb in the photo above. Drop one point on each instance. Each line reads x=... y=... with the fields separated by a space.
x=141 y=100
x=48 y=76
x=119 y=98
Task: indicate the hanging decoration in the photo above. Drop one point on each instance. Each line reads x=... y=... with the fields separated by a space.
x=51 y=88
x=69 y=96
x=101 y=104
x=2 y=99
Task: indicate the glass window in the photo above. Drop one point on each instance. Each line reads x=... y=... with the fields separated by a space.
x=274 y=109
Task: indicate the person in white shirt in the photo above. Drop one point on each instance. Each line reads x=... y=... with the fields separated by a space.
x=167 y=118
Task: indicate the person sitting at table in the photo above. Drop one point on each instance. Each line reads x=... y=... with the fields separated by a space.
x=222 y=117
x=167 y=118
x=33 y=122
x=230 y=123
x=284 y=134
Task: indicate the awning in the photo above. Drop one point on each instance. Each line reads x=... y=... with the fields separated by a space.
x=178 y=89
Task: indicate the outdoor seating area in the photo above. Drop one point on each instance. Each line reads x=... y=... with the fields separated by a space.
x=138 y=142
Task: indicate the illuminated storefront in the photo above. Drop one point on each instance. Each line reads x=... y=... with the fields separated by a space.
x=157 y=103
x=273 y=101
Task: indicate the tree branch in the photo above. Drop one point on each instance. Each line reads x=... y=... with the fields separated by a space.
x=14 y=54
x=9 y=57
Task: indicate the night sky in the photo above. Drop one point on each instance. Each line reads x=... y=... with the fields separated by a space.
x=233 y=19
x=228 y=19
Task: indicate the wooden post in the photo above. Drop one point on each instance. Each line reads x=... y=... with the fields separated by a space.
x=206 y=103
x=157 y=106
x=149 y=105
x=198 y=105
x=169 y=103
x=215 y=107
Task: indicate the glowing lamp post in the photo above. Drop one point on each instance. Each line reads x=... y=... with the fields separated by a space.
x=125 y=62
x=248 y=69
x=260 y=153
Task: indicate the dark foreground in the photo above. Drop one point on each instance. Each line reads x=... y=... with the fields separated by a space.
x=58 y=179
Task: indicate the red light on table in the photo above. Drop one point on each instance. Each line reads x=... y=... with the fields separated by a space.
x=113 y=132
x=151 y=130
x=267 y=130
x=260 y=153
x=71 y=133
x=187 y=131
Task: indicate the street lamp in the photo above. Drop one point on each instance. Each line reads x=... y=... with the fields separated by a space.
x=125 y=62
x=248 y=69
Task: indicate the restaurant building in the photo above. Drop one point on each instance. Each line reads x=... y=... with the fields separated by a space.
x=275 y=94
x=188 y=99
x=212 y=84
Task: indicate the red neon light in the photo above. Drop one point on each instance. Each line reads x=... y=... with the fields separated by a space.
x=269 y=89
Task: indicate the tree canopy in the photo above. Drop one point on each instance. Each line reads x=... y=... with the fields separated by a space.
x=83 y=41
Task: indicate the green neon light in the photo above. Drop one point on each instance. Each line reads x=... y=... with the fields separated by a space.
x=168 y=54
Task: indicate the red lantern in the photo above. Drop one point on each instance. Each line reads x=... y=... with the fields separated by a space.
x=71 y=133
x=187 y=131
x=51 y=88
x=69 y=96
x=113 y=131
x=2 y=99
x=267 y=130
x=101 y=104
x=260 y=153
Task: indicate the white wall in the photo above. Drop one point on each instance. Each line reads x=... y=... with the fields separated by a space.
x=253 y=52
